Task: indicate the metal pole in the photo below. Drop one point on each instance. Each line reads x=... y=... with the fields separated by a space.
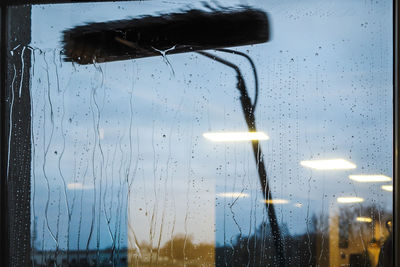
x=248 y=109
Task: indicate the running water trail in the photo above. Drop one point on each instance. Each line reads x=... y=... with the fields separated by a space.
x=56 y=70
x=225 y=189
x=94 y=174
x=165 y=59
x=359 y=214
x=106 y=217
x=98 y=110
x=172 y=195
x=46 y=148
x=239 y=237
x=308 y=221
x=95 y=110
x=120 y=200
x=250 y=229
x=108 y=214
x=81 y=207
x=188 y=194
x=33 y=160
x=22 y=71
x=154 y=216
x=322 y=222
x=58 y=222
x=11 y=109
x=166 y=196
x=129 y=182
x=43 y=240
x=63 y=180
x=11 y=120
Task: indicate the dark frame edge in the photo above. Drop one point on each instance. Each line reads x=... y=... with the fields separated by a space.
x=396 y=136
x=3 y=136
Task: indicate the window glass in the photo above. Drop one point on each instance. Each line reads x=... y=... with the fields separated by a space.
x=142 y=162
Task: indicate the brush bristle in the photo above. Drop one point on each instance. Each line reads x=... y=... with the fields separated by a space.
x=188 y=31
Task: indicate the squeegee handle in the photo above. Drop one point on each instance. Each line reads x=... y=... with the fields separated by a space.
x=247 y=108
x=248 y=111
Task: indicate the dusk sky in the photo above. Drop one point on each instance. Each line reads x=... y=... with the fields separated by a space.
x=125 y=155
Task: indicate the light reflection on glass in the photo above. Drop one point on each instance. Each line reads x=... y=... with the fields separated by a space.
x=370 y=178
x=78 y=186
x=101 y=133
x=233 y=195
x=388 y=188
x=235 y=136
x=350 y=199
x=364 y=219
x=275 y=201
x=328 y=164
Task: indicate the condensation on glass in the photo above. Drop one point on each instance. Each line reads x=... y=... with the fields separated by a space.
x=125 y=170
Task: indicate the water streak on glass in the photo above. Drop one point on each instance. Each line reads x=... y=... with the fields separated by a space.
x=121 y=174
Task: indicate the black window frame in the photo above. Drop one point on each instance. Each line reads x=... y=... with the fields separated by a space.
x=5 y=215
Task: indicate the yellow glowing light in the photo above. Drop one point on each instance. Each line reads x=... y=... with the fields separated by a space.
x=275 y=201
x=78 y=186
x=370 y=178
x=233 y=195
x=235 y=136
x=387 y=188
x=364 y=219
x=328 y=164
x=350 y=199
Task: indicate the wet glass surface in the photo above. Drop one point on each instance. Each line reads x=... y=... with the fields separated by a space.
x=147 y=161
